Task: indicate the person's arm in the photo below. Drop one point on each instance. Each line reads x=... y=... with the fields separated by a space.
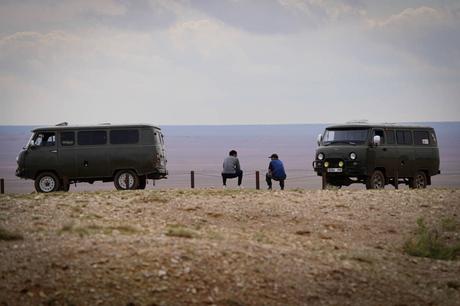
x=237 y=165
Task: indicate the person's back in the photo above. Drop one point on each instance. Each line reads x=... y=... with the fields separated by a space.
x=231 y=165
x=277 y=168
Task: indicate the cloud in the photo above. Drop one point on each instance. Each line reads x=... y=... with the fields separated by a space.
x=427 y=34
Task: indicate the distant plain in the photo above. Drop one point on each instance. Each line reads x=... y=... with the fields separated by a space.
x=203 y=148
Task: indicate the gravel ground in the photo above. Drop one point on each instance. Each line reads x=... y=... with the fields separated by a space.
x=225 y=247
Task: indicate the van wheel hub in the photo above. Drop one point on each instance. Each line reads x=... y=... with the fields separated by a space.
x=126 y=181
x=47 y=184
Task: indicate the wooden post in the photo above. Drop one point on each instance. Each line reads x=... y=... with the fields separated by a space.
x=396 y=179
x=2 y=186
x=192 y=179
x=257 y=180
x=153 y=182
x=324 y=181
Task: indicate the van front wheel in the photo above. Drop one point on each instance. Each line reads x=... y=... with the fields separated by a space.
x=47 y=182
x=126 y=180
x=376 y=180
x=419 y=181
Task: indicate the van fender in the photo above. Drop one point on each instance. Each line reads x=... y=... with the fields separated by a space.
x=47 y=170
x=132 y=169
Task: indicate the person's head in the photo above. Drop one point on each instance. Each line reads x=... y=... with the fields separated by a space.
x=273 y=156
x=232 y=153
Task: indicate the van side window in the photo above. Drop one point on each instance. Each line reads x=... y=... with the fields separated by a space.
x=381 y=134
x=404 y=137
x=421 y=138
x=67 y=139
x=390 y=136
x=45 y=139
x=92 y=138
x=124 y=136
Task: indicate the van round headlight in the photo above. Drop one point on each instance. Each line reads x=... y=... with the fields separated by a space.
x=352 y=155
x=340 y=164
x=320 y=156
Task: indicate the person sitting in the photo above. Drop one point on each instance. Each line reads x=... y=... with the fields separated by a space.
x=275 y=171
x=232 y=168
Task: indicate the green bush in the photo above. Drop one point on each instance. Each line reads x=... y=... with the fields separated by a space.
x=428 y=242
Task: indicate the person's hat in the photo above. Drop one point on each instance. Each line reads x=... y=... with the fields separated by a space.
x=274 y=155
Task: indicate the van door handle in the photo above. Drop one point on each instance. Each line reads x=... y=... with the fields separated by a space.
x=53 y=151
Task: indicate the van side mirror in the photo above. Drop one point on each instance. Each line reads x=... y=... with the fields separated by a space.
x=319 y=139
x=376 y=140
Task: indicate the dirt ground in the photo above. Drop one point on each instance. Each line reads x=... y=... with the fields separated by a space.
x=224 y=247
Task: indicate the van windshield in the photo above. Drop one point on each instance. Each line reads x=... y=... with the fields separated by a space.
x=345 y=136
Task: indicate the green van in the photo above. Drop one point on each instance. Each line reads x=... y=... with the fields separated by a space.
x=127 y=155
x=377 y=155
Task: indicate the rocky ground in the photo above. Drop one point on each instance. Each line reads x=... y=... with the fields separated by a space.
x=225 y=247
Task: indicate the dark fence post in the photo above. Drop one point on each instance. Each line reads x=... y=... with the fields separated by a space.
x=396 y=179
x=192 y=179
x=2 y=186
x=153 y=182
x=257 y=180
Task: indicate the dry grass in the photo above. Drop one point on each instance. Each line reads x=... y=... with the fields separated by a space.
x=9 y=235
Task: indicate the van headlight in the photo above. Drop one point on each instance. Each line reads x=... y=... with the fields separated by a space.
x=320 y=156
x=352 y=155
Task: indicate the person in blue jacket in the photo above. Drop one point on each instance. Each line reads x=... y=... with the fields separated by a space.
x=275 y=171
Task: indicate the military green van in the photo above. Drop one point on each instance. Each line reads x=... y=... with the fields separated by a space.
x=127 y=155
x=377 y=155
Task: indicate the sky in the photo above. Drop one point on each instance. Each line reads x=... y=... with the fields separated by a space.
x=200 y=62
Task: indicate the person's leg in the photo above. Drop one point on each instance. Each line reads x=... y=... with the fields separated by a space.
x=224 y=179
x=268 y=179
x=282 y=184
x=240 y=177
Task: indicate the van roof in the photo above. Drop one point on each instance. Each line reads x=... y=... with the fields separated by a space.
x=93 y=127
x=377 y=125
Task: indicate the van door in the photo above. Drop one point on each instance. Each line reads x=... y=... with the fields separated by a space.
x=406 y=157
x=67 y=154
x=382 y=156
x=91 y=154
x=43 y=154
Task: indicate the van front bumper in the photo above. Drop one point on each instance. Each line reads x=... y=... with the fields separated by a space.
x=350 y=168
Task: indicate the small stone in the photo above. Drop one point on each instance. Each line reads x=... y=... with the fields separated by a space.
x=162 y=273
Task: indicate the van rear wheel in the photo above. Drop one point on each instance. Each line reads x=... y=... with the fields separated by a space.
x=419 y=181
x=47 y=182
x=126 y=180
x=376 y=180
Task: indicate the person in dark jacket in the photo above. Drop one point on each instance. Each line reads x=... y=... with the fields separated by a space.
x=232 y=168
x=275 y=171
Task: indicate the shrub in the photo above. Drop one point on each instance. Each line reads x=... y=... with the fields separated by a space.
x=7 y=235
x=428 y=242
x=180 y=231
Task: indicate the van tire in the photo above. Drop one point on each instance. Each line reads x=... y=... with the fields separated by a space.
x=419 y=181
x=142 y=182
x=47 y=182
x=376 y=180
x=122 y=176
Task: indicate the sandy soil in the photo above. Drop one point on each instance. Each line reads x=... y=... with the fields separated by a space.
x=224 y=247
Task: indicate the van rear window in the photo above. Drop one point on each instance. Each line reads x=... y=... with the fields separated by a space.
x=86 y=138
x=421 y=138
x=124 y=136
